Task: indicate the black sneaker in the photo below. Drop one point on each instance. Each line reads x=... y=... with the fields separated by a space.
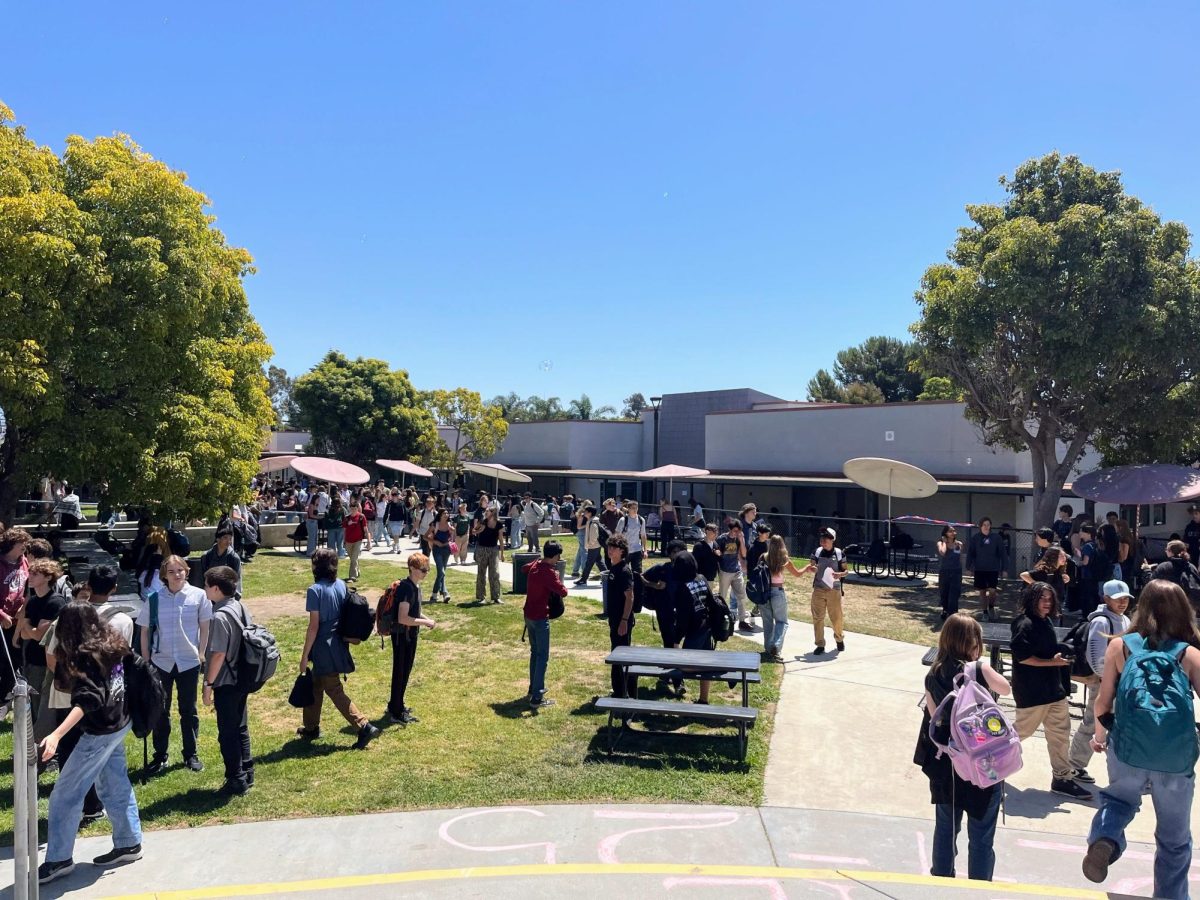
x=1069 y=788
x=841 y=647
x=193 y=763
x=157 y=766
x=1096 y=863
x=396 y=719
x=746 y=627
x=818 y=651
x=368 y=733
x=407 y=717
x=308 y=734
x=234 y=788
x=118 y=855
x=48 y=871
x=1082 y=775
x=541 y=704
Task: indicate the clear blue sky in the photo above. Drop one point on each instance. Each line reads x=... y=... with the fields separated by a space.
x=653 y=197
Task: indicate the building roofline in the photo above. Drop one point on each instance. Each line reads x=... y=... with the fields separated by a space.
x=818 y=405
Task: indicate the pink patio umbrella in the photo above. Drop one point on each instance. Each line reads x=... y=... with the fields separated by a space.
x=276 y=463
x=671 y=472
x=404 y=467
x=331 y=470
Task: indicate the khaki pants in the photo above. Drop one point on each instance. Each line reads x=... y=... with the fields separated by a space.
x=827 y=600
x=1055 y=720
x=733 y=589
x=464 y=547
x=487 y=568
x=332 y=685
x=353 y=550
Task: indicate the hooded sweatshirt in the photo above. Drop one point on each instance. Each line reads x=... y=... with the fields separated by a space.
x=1104 y=623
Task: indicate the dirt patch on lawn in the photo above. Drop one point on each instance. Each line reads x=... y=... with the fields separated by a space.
x=264 y=609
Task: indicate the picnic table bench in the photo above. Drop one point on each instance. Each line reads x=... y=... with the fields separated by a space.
x=997 y=637
x=721 y=665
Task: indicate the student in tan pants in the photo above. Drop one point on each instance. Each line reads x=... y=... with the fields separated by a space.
x=825 y=599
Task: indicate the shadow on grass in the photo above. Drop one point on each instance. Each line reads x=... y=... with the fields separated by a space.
x=662 y=744
x=514 y=709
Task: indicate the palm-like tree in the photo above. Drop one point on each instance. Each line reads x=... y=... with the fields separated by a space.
x=583 y=409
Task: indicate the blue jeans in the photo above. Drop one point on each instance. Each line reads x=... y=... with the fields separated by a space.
x=1172 y=798
x=774 y=619
x=99 y=759
x=378 y=529
x=981 y=833
x=335 y=539
x=441 y=556
x=539 y=656
x=580 y=554
x=311 y=526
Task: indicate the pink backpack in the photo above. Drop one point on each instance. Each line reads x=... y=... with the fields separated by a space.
x=970 y=727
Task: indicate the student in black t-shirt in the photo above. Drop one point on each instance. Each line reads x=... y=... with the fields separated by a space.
x=659 y=588
x=620 y=610
x=1191 y=534
x=409 y=620
x=45 y=603
x=489 y=553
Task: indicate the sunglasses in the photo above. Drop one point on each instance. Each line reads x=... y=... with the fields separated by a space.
x=421 y=569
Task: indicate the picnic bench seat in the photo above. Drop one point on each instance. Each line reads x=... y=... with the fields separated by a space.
x=743 y=717
x=733 y=678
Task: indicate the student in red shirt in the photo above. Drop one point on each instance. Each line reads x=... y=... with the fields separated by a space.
x=543 y=583
x=355 y=526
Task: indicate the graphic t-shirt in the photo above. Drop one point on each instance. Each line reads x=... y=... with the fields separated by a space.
x=730 y=550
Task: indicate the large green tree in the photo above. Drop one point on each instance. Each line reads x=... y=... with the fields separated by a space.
x=127 y=349
x=1068 y=316
x=360 y=410
x=886 y=364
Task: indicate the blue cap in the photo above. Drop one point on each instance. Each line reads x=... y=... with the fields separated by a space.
x=1117 y=588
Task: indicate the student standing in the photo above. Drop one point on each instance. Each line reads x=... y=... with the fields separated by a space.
x=829 y=567
x=441 y=533
x=1051 y=569
x=731 y=551
x=335 y=531
x=221 y=689
x=708 y=560
x=532 y=514
x=1094 y=568
x=949 y=551
x=462 y=534
x=329 y=654
x=354 y=528
x=221 y=554
x=692 y=603
x=90 y=659
x=633 y=528
x=489 y=547
x=1105 y=623
x=543 y=583
x=1039 y=680
x=960 y=643
x=985 y=557
x=620 y=611
x=1163 y=758
x=775 y=618
x=589 y=543
x=43 y=607
x=174 y=637
x=409 y=621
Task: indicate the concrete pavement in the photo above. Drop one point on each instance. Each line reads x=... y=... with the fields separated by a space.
x=579 y=851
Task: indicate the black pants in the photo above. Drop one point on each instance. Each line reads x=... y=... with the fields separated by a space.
x=404 y=655
x=233 y=734
x=622 y=685
x=91 y=802
x=593 y=559
x=635 y=565
x=666 y=532
x=189 y=723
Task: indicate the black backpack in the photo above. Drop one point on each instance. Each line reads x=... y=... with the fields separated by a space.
x=1077 y=640
x=720 y=618
x=258 y=657
x=144 y=695
x=357 y=622
x=758 y=585
x=557 y=606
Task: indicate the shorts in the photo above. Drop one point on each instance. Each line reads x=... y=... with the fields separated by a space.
x=395 y=529
x=986 y=581
x=699 y=640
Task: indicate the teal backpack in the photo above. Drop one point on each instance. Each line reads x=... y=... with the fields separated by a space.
x=1155 y=727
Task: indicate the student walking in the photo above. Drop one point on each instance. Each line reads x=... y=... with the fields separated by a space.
x=354 y=530
x=543 y=584
x=175 y=624
x=589 y=544
x=986 y=558
x=409 y=621
x=91 y=665
x=335 y=530
x=441 y=533
x=633 y=528
x=829 y=567
x=960 y=643
x=1105 y=623
x=1148 y=745
x=329 y=654
x=1040 y=681
x=221 y=689
x=395 y=517
x=532 y=514
x=950 y=570
x=462 y=534
x=775 y=613
x=620 y=611
x=693 y=597
x=489 y=547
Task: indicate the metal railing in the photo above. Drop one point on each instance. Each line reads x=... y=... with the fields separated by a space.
x=25 y=787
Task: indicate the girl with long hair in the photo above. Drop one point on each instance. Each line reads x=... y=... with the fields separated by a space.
x=775 y=614
x=90 y=665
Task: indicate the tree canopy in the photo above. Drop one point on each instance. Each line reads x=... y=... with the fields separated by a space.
x=550 y=409
x=1068 y=316
x=478 y=429
x=279 y=391
x=128 y=354
x=361 y=410
x=879 y=370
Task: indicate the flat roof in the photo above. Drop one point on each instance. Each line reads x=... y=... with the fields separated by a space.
x=953 y=485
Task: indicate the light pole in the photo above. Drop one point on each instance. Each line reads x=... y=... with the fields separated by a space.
x=654 y=402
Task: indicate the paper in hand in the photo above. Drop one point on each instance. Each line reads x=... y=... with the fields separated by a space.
x=827 y=577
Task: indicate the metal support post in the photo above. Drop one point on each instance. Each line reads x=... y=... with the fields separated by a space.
x=25 y=785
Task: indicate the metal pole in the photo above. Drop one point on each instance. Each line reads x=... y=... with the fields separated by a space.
x=25 y=842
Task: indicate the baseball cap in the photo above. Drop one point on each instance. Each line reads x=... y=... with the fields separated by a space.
x=829 y=533
x=1117 y=588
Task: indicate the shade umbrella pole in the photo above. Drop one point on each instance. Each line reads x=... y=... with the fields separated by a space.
x=889 y=530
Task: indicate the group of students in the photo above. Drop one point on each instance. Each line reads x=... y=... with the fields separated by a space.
x=1162 y=639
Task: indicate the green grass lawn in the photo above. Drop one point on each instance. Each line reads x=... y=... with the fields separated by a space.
x=477 y=742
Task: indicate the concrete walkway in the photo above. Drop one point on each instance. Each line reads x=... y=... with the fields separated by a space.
x=578 y=851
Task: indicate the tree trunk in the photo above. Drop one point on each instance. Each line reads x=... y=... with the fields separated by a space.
x=1050 y=474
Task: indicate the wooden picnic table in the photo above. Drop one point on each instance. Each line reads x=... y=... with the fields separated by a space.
x=716 y=662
